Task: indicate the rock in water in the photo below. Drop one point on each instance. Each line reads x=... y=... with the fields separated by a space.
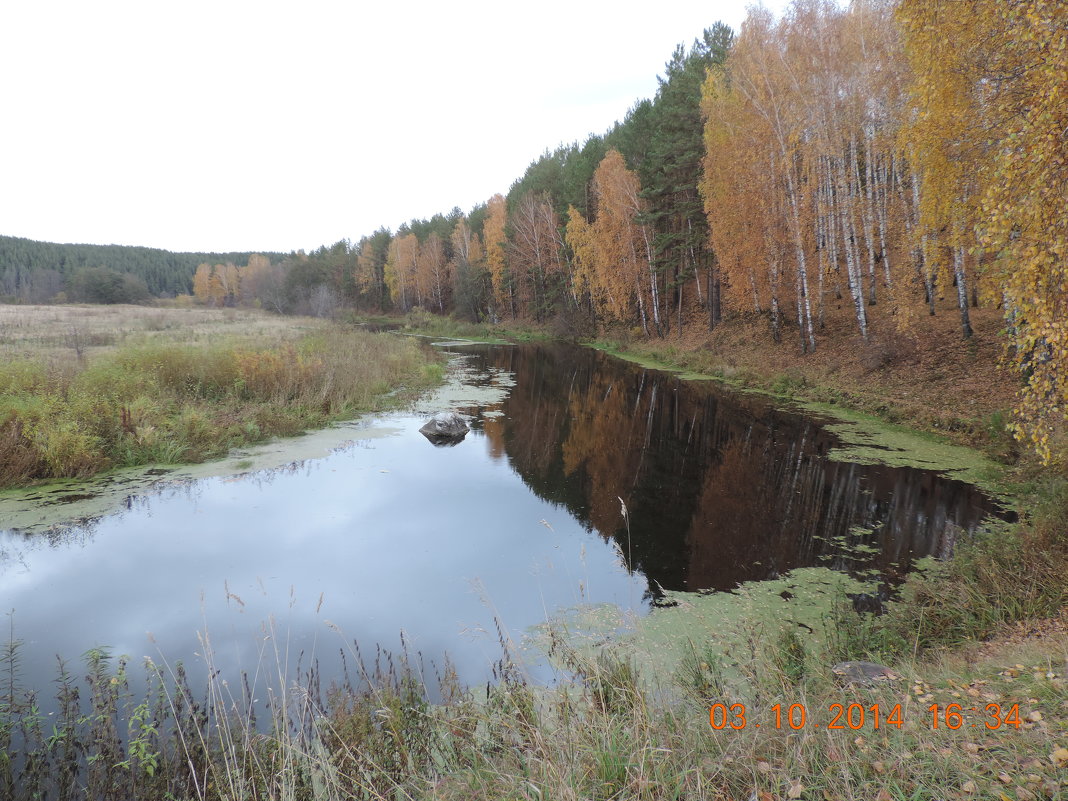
x=445 y=428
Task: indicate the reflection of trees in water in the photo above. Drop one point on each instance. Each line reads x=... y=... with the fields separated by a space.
x=721 y=487
x=599 y=445
x=16 y=543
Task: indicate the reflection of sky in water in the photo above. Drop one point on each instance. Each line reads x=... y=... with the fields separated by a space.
x=394 y=533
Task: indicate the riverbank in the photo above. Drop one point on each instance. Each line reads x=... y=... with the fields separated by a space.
x=986 y=721
x=935 y=388
x=83 y=393
x=929 y=388
x=930 y=380
x=948 y=390
x=612 y=730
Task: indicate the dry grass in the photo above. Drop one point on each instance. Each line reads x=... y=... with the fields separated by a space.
x=601 y=733
x=929 y=378
x=132 y=386
x=53 y=332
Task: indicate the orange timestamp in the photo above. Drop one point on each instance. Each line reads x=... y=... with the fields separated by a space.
x=858 y=716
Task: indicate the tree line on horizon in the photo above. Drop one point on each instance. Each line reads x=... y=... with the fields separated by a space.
x=41 y=272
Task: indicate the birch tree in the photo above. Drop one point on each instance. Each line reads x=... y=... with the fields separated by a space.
x=990 y=123
x=536 y=257
x=431 y=273
x=400 y=270
x=496 y=244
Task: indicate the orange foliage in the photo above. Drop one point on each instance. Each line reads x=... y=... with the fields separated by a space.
x=496 y=244
x=400 y=271
x=613 y=254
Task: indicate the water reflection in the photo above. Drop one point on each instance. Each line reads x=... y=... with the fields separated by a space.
x=721 y=487
x=522 y=518
x=390 y=534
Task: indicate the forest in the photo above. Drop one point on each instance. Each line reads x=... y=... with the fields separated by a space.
x=36 y=272
x=838 y=161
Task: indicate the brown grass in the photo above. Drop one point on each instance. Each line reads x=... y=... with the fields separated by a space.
x=199 y=384
x=601 y=733
x=930 y=378
x=52 y=332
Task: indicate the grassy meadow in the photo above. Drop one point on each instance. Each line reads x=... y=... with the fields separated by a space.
x=87 y=388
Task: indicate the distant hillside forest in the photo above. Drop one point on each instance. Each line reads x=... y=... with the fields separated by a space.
x=838 y=163
x=38 y=272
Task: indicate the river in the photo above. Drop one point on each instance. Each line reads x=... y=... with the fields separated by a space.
x=584 y=480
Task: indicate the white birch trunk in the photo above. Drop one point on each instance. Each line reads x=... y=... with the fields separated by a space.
x=865 y=214
x=693 y=261
x=856 y=287
x=802 y=269
x=654 y=286
x=832 y=228
x=928 y=274
x=638 y=288
x=881 y=180
x=962 y=291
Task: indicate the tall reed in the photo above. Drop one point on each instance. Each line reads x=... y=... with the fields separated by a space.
x=392 y=728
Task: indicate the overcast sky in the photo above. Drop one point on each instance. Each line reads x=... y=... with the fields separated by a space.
x=233 y=126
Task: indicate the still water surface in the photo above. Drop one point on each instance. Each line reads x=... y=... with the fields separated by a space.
x=523 y=518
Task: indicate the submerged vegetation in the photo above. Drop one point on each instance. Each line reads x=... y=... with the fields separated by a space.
x=160 y=399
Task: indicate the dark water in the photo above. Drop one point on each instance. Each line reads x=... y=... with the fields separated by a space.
x=721 y=487
x=454 y=545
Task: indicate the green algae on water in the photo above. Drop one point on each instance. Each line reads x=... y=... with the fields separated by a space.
x=654 y=364
x=729 y=623
x=868 y=440
x=69 y=502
